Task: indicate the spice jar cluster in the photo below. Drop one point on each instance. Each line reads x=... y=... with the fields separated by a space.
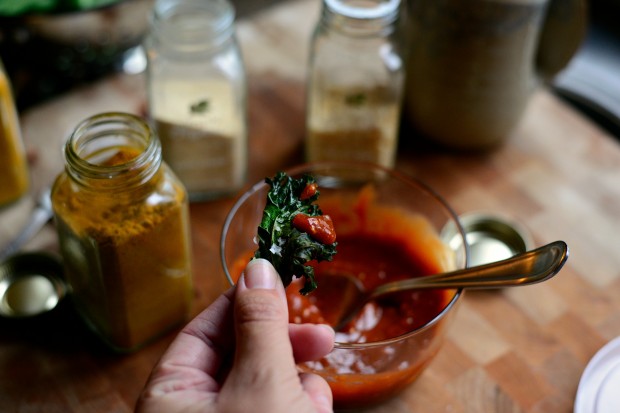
x=121 y=205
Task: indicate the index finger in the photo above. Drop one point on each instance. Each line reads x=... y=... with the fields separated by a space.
x=203 y=342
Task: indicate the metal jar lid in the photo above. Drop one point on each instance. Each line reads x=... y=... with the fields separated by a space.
x=30 y=284
x=490 y=237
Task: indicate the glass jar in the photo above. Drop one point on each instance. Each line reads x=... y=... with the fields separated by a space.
x=123 y=226
x=197 y=94
x=355 y=83
x=14 y=175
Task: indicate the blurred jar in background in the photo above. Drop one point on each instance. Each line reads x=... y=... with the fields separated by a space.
x=473 y=65
x=197 y=94
x=355 y=83
x=14 y=175
x=50 y=47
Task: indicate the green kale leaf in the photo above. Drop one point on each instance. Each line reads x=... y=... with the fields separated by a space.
x=287 y=248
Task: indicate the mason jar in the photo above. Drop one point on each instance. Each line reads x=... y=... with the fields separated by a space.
x=197 y=94
x=355 y=83
x=123 y=227
x=14 y=174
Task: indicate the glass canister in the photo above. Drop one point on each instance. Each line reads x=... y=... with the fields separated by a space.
x=474 y=65
x=355 y=83
x=14 y=175
x=197 y=93
x=123 y=225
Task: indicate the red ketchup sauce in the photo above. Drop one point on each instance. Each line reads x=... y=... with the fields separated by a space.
x=321 y=227
x=374 y=261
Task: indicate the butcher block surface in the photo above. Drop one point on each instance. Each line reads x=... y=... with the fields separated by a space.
x=509 y=351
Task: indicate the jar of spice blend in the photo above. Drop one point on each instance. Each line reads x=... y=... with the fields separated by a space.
x=197 y=94
x=14 y=175
x=123 y=225
x=355 y=83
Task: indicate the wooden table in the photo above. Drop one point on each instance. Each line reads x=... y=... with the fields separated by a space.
x=516 y=350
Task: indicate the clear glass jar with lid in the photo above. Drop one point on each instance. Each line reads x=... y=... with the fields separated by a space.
x=122 y=219
x=355 y=82
x=197 y=94
x=14 y=174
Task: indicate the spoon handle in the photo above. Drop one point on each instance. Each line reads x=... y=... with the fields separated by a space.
x=527 y=268
x=41 y=214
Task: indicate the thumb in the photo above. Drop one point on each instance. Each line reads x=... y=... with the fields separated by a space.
x=264 y=354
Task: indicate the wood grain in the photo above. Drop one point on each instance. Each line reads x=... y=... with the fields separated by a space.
x=515 y=350
x=509 y=351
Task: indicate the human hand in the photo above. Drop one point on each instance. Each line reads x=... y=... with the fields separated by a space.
x=239 y=355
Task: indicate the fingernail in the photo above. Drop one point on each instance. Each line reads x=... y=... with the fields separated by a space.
x=259 y=273
x=329 y=328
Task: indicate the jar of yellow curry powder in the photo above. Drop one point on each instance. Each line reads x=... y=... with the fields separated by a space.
x=123 y=225
x=14 y=175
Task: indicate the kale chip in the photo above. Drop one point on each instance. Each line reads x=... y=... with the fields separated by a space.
x=285 y=246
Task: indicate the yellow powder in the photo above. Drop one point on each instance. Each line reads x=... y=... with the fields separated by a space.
x=357 y=123
x=14 y=179
x=127 y=262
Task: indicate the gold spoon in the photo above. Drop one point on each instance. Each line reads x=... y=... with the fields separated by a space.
x=525 y=268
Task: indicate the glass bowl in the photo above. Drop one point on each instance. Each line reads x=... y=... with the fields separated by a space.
x=368 y=204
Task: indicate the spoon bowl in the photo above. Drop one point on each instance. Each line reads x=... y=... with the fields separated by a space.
x=526 y=268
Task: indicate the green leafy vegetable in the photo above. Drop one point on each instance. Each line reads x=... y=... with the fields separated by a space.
x=287 y=248
x=356 y=99
x=19 y=7
x=199 y=107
